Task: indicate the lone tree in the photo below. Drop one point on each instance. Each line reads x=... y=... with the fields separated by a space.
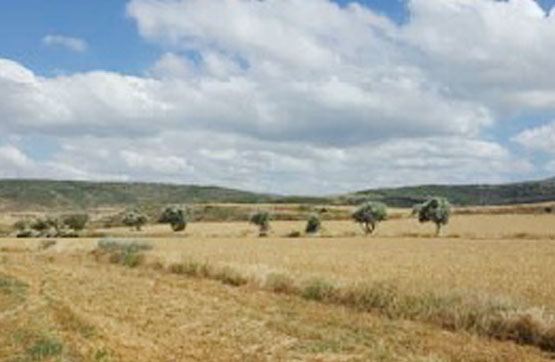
x=369 y=214
x=134 y=218
x=262 y=220
x=437 y=210
x=313 y=224
x=175 y=215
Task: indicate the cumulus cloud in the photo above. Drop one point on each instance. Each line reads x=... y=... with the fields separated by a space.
x=70 y=43
x=540 y=138
x=301 y=96
x=12 y=157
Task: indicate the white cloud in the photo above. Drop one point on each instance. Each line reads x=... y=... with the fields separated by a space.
x=165 y=164
x=10 y=156
x=495 y=52
x=300 y=96
x=541 y=138
x=70 y=43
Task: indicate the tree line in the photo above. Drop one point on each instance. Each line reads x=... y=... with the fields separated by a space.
x=368 y=216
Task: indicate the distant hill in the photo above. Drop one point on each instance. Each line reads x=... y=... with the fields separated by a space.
x=24 y=194
x=43 y=194
x=505 y=194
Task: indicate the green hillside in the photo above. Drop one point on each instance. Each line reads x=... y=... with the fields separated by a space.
x=25 y=194
x=515 y=193
x=62 y=194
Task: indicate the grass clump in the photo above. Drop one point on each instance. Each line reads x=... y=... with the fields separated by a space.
x=11 y=286
x=44 y=348
x=230 y=276
x=191 y=268
x=318 y=289
x=280 y=283
x=377 y=296
x=128 y=253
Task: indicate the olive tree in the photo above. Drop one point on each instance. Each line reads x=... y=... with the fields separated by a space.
x=436 y=210
x=175 y=215
x=262 y=220
x=369 y=214
x=133 y=218
x=313 y=224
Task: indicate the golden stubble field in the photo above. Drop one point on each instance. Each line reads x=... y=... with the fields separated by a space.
x=60 y=304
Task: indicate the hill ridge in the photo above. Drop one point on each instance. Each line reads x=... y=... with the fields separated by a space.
x=44 y=193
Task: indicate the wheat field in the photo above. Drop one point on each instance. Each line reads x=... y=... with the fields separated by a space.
x=62 y=302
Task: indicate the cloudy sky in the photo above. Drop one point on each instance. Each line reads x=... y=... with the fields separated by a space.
x=282 y=96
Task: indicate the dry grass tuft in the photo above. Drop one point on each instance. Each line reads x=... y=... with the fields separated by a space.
x=280 y=283
x=128 y=253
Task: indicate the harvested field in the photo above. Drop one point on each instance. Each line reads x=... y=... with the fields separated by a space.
x=78 y=310
x=217 y=292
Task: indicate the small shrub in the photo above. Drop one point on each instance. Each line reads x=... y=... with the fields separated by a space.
x=44 y=348
x=21 y=225
x=230 y=276
x=134 y=219
x=124 y=253
x=368 y=297
x=294 y=234
x=262 y=220
x=313 y=224
x=189 y=268
x=76 y=222
x=317 y=289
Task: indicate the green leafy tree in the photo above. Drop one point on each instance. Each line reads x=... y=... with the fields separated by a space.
x=133 y=218
x=313 y=224
x=175 y=215
x=436 y=210
x=369 y=214
x=262 y=220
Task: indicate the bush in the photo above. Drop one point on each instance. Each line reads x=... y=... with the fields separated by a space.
x=76 y=222
x=175 y=215
x=317 y=289
x=369 y=215
x=52 y=227
x=228 y=275
x=262 y=220
x=134 y=219
x=313 y=224
x=44 y=348
x=124 y=253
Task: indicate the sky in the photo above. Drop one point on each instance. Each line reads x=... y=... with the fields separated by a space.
x=281 y=96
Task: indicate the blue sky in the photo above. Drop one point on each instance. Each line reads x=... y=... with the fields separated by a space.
x=278 y=92
x=112 y=36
